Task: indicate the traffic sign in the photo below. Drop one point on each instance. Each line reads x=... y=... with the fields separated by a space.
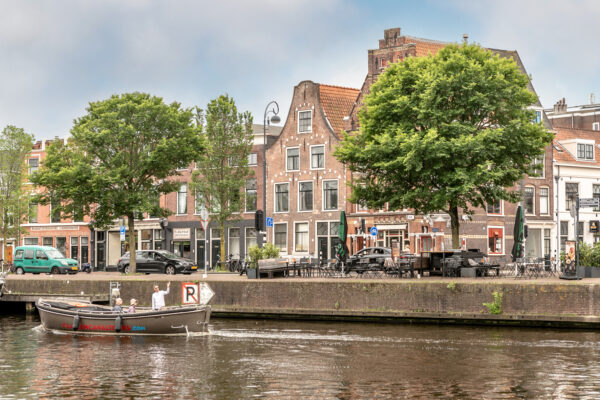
x=189 y=293
x=269 y=222
x=196 y=293
x=204 y=218
x=587 y=203
x=373 y=231
x=122 y=233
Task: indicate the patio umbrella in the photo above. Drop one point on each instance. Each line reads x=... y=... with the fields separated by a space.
x=342 y=249
x=517 y=250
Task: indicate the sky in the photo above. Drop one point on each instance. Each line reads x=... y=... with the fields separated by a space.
x=56 y=56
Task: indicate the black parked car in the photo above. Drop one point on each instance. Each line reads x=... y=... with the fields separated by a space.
x=160 y=261
x=370 y=256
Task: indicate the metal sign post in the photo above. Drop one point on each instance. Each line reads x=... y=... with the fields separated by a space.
x=204 y=221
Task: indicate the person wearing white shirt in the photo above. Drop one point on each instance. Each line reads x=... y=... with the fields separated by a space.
x=158 y=297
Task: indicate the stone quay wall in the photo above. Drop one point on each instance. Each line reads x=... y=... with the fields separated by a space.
x=539 y=303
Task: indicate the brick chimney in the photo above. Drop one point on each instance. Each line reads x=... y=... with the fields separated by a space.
x=560 y=106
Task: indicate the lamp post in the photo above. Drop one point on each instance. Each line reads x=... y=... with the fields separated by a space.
x=275 y=119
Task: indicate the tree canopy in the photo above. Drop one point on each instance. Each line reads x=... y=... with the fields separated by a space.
x=443 y=133
x=15 y=146
x=223 y=171
x=120 y=159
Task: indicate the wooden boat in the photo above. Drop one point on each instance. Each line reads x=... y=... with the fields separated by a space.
x=76 y=316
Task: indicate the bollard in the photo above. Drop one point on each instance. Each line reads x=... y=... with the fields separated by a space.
x=29 y=307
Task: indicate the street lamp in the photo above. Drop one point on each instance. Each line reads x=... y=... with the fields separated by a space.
x=275 y=119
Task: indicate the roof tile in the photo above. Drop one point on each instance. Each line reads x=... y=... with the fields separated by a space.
x=337 y=103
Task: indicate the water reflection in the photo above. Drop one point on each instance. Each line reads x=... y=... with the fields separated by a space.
x=270 y=359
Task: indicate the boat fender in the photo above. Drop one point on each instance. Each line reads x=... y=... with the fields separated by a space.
x=118 y=322
x=76 y=322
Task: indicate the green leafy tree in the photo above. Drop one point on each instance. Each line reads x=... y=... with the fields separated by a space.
x=122 y=156
x=444 y=133
x=15 y=145
x=223 y=169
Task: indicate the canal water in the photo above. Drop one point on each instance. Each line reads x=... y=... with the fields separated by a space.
x=247 y=359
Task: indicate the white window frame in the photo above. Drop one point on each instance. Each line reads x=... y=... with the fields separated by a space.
x=296 y=223
x=287 y=156
x=239 y=239
x=501 y=209
x=285 y=250
x=309 y=125
x=547 y=200
x=533 y=201
x=311 y=156
x=275 y=197
x=542 y=168
x=198 y=211
x=246 y=196
x=313 y=197
x=585 y=144
x=596 y=126
x=337 y=206
x=179 y=192
x=250 y=161
x=32 y=157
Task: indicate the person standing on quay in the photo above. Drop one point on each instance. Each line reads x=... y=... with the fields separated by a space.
x=158 y=297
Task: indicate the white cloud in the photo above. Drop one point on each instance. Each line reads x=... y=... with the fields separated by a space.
x=556 y=40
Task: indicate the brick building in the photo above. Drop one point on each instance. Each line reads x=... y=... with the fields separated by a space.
x=583 y=117
x=48 y=228
x=490 y=229
x=182 y=232
x=306 y=187
x=576 y=174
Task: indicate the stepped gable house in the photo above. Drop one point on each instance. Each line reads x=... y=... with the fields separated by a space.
x=490 y=229
x=306 y=185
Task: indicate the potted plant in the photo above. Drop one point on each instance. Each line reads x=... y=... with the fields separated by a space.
x=589 y=261
x=256 y=253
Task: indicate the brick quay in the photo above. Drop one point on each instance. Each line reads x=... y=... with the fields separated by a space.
x=535 y=302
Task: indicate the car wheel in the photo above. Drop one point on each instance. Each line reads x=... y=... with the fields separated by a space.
x=170 y=270
x=127 y=269
x=55 y=271
x=19 y=271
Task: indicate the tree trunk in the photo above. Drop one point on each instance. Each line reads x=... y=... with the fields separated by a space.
x=132 y=248
x=222 y=233
x=455 y=226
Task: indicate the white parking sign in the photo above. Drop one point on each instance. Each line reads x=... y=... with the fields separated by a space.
x=196 y=293
x=190 y=293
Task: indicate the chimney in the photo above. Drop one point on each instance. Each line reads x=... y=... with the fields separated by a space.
x=560 y=106
x=465 y=38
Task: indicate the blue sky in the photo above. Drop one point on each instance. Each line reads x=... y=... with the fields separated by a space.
x=56 y=56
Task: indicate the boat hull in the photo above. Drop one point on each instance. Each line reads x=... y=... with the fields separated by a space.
x=76 y=317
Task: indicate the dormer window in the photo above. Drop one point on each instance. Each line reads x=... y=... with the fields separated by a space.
x=585 y=151
x=538 y=116
x=304 y=121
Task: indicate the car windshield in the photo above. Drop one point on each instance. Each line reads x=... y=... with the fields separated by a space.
x=169 y=255
x=54 y=254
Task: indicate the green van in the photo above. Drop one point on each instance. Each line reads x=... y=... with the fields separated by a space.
x=38 y=259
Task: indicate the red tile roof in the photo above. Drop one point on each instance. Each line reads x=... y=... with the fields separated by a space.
x=561 y=154
x=337 y=103
x=424 y=47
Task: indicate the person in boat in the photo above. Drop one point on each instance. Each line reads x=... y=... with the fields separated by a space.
x=132 y=305
x=158 y=297
x=118 y=305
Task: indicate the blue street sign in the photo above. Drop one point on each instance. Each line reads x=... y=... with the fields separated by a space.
x=122 y=233
x=373 y=231
x=269 y=222
x=122 y=230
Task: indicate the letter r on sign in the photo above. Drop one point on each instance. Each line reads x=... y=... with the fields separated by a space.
x=189 y=293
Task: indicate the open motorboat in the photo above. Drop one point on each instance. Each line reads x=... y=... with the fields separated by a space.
x=76 y=316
